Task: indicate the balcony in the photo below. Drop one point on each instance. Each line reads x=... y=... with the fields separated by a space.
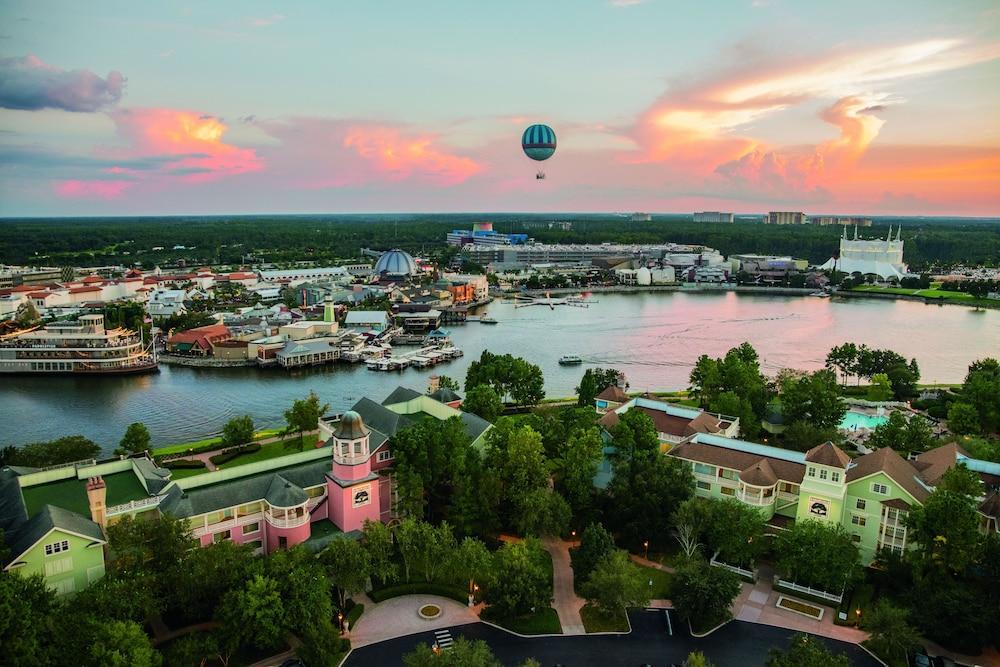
x=756 y=499
x=292 y=521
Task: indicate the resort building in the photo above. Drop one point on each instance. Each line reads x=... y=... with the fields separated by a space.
x=786 y=218
x=675 y=424
x=199 y=341
x=518 y=257
x=54 y=520
x=869 y=496
x=878 y=257
x=713 y=216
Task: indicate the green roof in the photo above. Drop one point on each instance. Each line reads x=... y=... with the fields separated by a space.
x=122 y=487
x=282 y=493
x=401 y=395
x=321 y=533
x=69 y=494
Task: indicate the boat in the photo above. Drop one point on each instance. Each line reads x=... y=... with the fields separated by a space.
x=488 y=320
x=570 y=360
x=82 y=347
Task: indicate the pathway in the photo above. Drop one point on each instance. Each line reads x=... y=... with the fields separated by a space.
x=565 y=600
x=206 y=457
x=396 y=617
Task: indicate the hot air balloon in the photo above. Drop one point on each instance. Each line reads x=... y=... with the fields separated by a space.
x=539 y=143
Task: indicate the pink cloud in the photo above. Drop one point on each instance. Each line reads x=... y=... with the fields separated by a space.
x=76 y=189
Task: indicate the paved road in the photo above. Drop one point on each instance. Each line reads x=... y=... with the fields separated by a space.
x=738 y=644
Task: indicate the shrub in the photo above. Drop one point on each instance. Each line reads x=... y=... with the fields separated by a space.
x=183 y=463
x=227 y=455
x=444 y=590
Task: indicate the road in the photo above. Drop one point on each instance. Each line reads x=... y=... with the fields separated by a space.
x=738 y=644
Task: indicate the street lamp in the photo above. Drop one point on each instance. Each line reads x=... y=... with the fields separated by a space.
x=645 y=545
x=340 y=621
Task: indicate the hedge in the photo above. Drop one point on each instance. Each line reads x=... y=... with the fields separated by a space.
x=227 y=455
x=183 y=463
x=354 y=614
x=413 y=588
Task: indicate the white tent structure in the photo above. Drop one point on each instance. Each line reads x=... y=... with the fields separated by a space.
x=883 y=258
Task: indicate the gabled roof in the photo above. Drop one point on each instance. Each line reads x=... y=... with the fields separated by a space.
x=759 y=474
x=49 y=519
x=991 y=506
x=887 y=461
x=155 y=477
x=613 y=393
x=401 y=395
x=475 y=425
x=828 y=454
x=445 y=395
x=703 y=423
x=735 y=459
x=934 y=462
x=380 y=418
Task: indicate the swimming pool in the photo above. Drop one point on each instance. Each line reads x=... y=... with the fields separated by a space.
x=855 y=420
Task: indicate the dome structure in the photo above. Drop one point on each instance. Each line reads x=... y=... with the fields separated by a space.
x=396 y=262
x=643 y=276
x=350 y=427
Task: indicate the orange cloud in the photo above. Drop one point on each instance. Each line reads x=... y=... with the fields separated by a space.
x=399 y=156
x=73 y=189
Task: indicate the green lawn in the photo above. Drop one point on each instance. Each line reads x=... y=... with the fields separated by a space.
x=594 y=620
x=122 y=488
x=69 y=494
x=215 y=440
x=662 y=582
x=181 y=473
x=269 y=451
x=930 y=293
x=542 y=622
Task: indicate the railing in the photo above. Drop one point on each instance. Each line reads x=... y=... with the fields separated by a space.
x=751 y=574
x=823 y=595
x=754 y=499
x=294 y=522
x=134 y=505
x=71 y=464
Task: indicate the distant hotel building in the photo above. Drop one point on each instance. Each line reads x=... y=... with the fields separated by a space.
x=712 y=216
x=641 y=217
x=825 y=220
x=786 y=218
x=482 y=234
x=523 y=256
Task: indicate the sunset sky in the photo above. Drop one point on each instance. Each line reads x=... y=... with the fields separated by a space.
x=889 y=107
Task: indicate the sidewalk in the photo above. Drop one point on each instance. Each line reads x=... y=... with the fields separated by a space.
x=206 y=457
x=565 y=600
x=397 y=617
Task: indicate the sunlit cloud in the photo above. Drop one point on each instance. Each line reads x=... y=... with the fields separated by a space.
x=96 y=189
x=30 y=84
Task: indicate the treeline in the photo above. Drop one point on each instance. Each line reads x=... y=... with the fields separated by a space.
x=234 y=240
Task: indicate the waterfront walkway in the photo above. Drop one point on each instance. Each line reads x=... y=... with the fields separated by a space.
x=206 y=457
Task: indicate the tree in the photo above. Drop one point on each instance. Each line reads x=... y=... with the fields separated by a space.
x=738 y=373
x=523 y=583
x=576 y=467
x=434 y=548
x=982 y=390
x=697 y=659
x=237 y=431
x=806 y=651
x=946 y=528
x=702 y=594
x=951 y=612
x=635 y=436
x=963 y=481
x=254 y=615
x=892 y=636
x=30 y=625
x=797 y=548
x=462 y=653
x=616 y=583
x=963 y=418
x=905 y=435
x=844 y=358
x=595 y=544
x=432 y=457
x=509 y=376
x=348 y=567
x=198 y=581
x=304 y=415
x=62 y=450
x=122 y=644
x=196 y=648
x=734 y=531
x=515 y=456
x=542 y=512
x=803 y=436
x=378 y=544
x=880 y=389
x=135 y=440
x=153 y=548
x=483 y=401
x=904 y=379
x=587 y=391
x=729 y=403
x=814 y=398
x=644 y=496
x=410 y=534
x=473 y=561
x=445 y=382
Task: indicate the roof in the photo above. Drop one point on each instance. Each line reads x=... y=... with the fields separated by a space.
x=350 y=426
x=898 y=503
x=156 y=478
x=49 y=519
x=380 y=418
x=613 y=393
x=789 y=471
x=445 y=395
x=199 y=334
x=991 y=506
x=475 y=425
x=282 y=493
x=364 y=316
x=401 y=395
x=828 y=454
x=759 y=474
x=934 y=462
x=703 y=423
x=887 y=461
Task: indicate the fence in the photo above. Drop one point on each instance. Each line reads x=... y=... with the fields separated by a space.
x=750 y=575
x=813 y=592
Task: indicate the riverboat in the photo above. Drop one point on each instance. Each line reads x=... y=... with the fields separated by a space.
x=488 y=320
x=570 y=360
x=81 y=347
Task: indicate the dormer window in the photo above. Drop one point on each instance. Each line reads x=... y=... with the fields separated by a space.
x=810 y=471
x=823 y=473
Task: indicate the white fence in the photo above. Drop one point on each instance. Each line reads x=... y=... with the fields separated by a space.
x=823 y=595
x=134 y=505
x=750 y=574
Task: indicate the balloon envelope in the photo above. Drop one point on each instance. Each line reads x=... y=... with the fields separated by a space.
x=539 y=142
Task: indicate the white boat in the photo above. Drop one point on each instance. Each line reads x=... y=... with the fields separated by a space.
x=570 y=360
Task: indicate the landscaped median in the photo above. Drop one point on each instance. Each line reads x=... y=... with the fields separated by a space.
x=544 y=621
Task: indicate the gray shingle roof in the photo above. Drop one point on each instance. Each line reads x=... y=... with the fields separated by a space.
x=282 y=493
x=381 y=418
x=475 y=425
x=445 y=395
x=156 y=478
x=401 y=395
x=51 y=517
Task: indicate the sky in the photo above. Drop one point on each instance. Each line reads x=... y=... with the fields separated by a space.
x=231 y=107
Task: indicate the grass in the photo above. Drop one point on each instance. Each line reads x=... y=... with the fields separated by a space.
x=662 y=582
x=595 y=620
x=930 y=293
x=269 y=451
x=182 y=447
x=543 y=622
x=122 y=488
x=181 y=473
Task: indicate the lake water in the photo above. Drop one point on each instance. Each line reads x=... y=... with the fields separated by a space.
x=654 y=338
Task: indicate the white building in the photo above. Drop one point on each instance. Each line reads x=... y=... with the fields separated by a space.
x=328 y=273
x=712 y=216
x=883 y=258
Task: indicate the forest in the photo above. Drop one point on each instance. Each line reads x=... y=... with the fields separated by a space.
x=280 y=239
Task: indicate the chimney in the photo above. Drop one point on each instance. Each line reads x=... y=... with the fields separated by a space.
x=97 y=493
x=433 y=384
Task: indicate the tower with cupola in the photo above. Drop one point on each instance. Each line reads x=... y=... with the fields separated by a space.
x=352 y=487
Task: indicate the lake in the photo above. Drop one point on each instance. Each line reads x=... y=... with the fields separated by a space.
x=654 y=338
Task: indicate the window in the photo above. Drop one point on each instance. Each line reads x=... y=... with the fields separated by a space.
x=256 y=544
x=861 y=503
x=384 y=455
x=788 y=487
x=729 y=474
x=704 y=486
x=880 y=489
x=858 y=519
x=316 y=491
x=251 y=528
x=810 y=471
x=358 y=447
x=223 y=536
x=823 y=473
x=728 y=491
x=56 y=547
x=65 y=586
x=856 y=538
x=835 y=477
x=704 y=469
